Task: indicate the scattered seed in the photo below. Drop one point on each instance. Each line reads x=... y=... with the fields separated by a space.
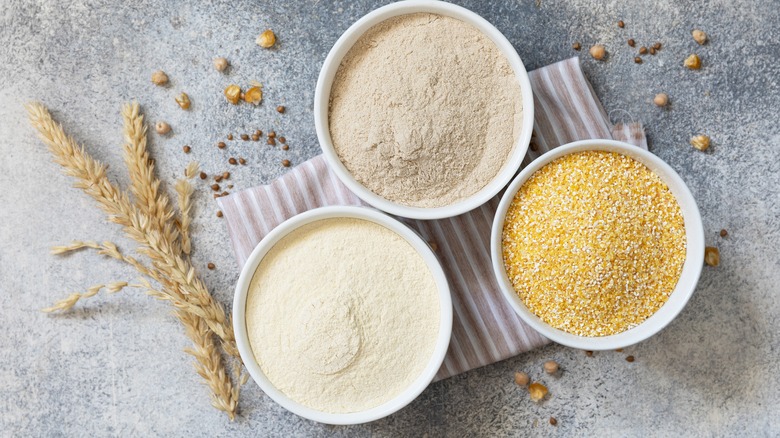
x=693 y=62
x=285 y=147
x=241 y=161
x=245 y=137
x=699 y=36
x=230 y=186
x=576 y=46
x=280 y=109
x=253 y=95
x=211 y=266
x=724 y=233
x=203 y=175
x=588 y=353
x=598 y=52
x=657 y=46
x=266 y=39
x=433 y=245
x=215 y=187
x=537 y=391
x=621 y=24
x=629 y=358
x=700 y=142
x=233 y=93
x=221 y=145
x=652 y=50
x=631 y=42
x=255 y=137
x=711 y=256
x=159 y=78
x=259 y=133
x=218 y=178
x=550 y=367
x=162 y=128
x=184 y=101
x=661 y=99
x=643 y=50
x=637 y=60
x=522 y=379
x=186 y=149
x=533 y=146
x=230 y=136
x=286 y=163
x=272 y=134
x=232 y=161
x=226 y=175
x=553 y=421
x=219 y=213
x=220 y=64
x=619 y=350
x=224 y=194
x=271 y=141
x=282 y=140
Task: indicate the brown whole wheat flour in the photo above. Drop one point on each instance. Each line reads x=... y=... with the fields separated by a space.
x=424 y=110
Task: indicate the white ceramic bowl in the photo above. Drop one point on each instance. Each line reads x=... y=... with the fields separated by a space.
x=331 y=65
x=694 y=233
x=242 y=339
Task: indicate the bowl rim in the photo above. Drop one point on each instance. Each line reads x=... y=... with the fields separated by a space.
x=689 y=275
x=445 y=305
x=322 y=98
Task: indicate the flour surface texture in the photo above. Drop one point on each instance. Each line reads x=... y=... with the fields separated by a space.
x=425 y=110
x=342 y=315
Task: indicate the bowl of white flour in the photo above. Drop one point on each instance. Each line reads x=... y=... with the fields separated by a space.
x=342 y=315
x=423 y=109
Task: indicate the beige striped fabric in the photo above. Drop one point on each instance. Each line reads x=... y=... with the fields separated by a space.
x=485 y=329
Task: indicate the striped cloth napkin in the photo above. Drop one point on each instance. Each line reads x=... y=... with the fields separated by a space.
x=485 y=328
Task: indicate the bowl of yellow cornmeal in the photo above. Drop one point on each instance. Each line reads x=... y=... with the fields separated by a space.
x=597 y=244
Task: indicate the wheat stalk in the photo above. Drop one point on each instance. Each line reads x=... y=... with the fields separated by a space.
x=150 y=223
x=184 y=196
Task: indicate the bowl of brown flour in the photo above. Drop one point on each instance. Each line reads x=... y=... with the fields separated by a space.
x=423 y=109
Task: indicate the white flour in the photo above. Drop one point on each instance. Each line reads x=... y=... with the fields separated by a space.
x=342 y=315
x=425 y=110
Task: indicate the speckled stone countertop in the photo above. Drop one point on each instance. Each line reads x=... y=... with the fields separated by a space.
x=115 y=366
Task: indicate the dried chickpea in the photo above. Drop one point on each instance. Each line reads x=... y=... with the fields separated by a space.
x=598 y=52
x=711 y=256
x=162 y=128
x=159 y=78
x=550 y=367
x=700 y=142
x=522 y=379
x=253 y=95
x=537 y=391
x=233 y=94
x=184 y=101
x=266 y=39
x=661 y=99
x=221 y=64
x=699 y=36
x=693 y=62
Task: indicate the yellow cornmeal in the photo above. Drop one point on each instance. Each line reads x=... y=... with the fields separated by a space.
x=594 y=243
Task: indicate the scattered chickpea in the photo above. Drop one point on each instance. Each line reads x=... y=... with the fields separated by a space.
x=219 y=213
x=576 y=46
x=629 y=358
x=693 y=62
x=550 y=367
x=159 y=78
x=221 y=145
x=253 y=95
x=280 y=109
x=203 y=175
x=724 y=233
x=522 y=379
x=232 y=161
x=233 y=93
x=286 y=163
x=699 y=36
x=661 y=99
x=241 y=161
x=631 y=42
x=537 y=391
x=598 y=52
x=700 y=142
x=621 y=24
x=186 y=149
x=220 y=64
x=553 y=421
x=637 y=60
x=184 y=101
x=162 y=128
x=266 y=39
x=643 y=50
x=711 y=256
x=215 y=187
x=211 y=266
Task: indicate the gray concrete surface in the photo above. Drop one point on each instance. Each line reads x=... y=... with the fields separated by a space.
x=115 y=366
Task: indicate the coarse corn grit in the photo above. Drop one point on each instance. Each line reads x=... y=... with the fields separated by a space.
x=594 y=243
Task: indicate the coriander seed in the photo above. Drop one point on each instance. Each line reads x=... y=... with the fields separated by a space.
x=186 y=149
x=652 y=50
x=711 y=256
x=232 y=161
x=629 y=358
x=220 y=64
x=724 y=233
x=522 y=379
x=692 y=62
x=286 y=163
x=211 y=266
x=282 y=140
x=159 y=78
x=576 y=46
x=241 y=161
x=643 y=50
x=637 y=60
x=219 y=213
x=285 y=147
x=631 y=42
x=215 y=187
x=588 y=353
x=621 y=24
x=271 y=141
x=162 y=128
x=699 y=36
x=598 y=52
x=272 y=134
x=266 y=39
x=245 y=137
x=255 y=137
x=218 y=178
x=550 y=367
x=184 y=101
x=230 y=136
x=203 y=175
x=221 y=145
x=226 y=175
x=553 y=421
x=657 y=46
x=280 y=109
x=661 y=99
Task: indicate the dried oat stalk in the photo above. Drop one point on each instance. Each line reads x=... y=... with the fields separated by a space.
x=150 y=220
